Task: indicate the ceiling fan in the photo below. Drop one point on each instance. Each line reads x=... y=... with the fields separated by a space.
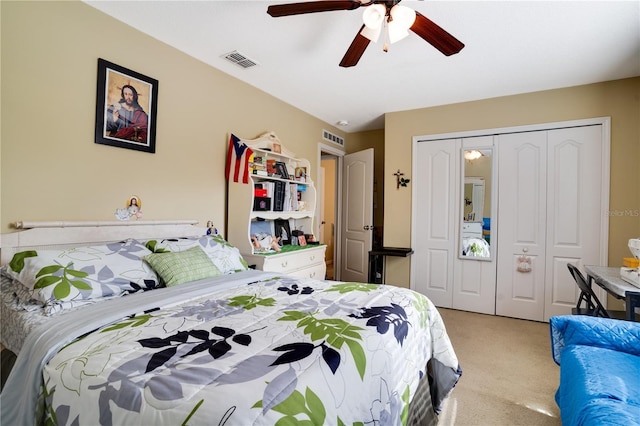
x=380 y=16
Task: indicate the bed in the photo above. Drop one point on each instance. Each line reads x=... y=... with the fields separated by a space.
x=158 y=323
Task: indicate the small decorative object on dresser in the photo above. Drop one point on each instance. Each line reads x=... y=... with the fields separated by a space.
x=288 y=205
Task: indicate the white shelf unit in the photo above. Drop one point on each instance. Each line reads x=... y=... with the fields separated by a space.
x=242 y=219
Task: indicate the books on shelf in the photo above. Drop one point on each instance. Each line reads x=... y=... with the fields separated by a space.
x=293 y=197
x=285 y=196
x=278 y=196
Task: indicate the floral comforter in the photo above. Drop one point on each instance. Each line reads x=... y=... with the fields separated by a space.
x=271 y=351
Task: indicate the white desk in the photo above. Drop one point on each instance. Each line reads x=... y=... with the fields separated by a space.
x=609 y=279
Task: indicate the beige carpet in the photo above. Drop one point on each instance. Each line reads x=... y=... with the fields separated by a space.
x=509 y=377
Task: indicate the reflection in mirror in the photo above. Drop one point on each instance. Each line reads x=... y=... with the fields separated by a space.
x=476 y=204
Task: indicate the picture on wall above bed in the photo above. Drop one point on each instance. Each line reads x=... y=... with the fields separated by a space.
x=126 y=107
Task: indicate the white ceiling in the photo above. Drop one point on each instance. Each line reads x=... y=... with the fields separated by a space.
x=511 y=47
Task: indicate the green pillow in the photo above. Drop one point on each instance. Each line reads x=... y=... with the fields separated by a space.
x=182 y=266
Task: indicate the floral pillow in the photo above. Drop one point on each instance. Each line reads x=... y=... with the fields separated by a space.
x=83 y=273
x=224 y=256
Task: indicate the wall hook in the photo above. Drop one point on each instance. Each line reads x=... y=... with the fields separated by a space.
x=400 y=181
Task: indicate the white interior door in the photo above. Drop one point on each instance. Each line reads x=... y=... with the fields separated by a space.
x=435 y=218
x=522 y=223
x=357 y=215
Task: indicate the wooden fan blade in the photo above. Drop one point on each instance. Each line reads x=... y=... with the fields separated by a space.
x=432 y=33
x=311 y=7
x=355 y=51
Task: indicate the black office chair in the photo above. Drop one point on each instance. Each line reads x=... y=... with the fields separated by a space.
x=633 y=302
x=593 y=307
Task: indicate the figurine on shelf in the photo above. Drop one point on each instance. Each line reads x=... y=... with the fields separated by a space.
x=134 y=204
x=211 y=230
x=132 y=209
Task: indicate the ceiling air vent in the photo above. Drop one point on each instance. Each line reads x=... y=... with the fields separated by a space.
x=328 y=136
x=239 y=59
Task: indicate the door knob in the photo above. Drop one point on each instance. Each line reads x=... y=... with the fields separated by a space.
x=368 y=228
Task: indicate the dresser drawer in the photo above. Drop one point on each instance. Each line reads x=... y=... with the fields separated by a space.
x=317 y=272
x=292 y=262
x=471 y=230
x=289 y=262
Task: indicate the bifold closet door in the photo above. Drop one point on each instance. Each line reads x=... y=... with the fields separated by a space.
x=522 y=223
x=574 y=211
x=549 y=211
x=436 y=181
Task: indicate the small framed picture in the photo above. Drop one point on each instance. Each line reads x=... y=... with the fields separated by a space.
x=281 y=169
x=276 y=147
x=301 y=174
x=302 y=241
x=282 y=230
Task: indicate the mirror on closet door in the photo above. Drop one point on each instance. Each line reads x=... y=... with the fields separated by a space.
x=475 y=226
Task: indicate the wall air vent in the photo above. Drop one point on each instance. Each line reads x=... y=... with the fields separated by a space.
x=239 y=59
x=328 y=136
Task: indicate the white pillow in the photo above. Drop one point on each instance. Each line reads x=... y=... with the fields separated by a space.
x=224 y=256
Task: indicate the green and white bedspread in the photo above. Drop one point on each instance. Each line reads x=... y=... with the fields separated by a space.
x=270 y=351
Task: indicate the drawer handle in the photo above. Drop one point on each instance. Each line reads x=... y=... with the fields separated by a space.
x=312 y=257
x=284 y=264
x=313 y=274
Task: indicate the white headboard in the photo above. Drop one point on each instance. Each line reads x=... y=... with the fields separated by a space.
x=42 y=235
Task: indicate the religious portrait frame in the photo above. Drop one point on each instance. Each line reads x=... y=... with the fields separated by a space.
x=126 y=108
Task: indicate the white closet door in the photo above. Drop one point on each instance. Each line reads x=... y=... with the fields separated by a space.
x=574 y=179
x=435 y=171
x=474 y=281
x=550 y=212
x=522 y=214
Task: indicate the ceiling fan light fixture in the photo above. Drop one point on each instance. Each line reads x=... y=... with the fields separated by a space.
x=402 y=18
x=374 y=15
x=396 y=32
x=372 y=34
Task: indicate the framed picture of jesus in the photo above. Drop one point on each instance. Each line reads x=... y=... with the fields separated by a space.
x=126 y=108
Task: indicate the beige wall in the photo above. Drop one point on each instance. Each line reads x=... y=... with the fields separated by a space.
x=51 y=169
x=619 y=100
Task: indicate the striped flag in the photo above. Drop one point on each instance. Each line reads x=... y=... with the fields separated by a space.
x=238 y=160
